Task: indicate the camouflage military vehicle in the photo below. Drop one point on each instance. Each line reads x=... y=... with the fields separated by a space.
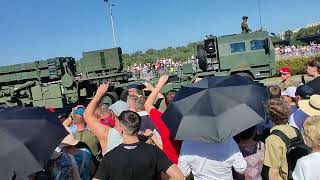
x=62 y=81
x=248 y=54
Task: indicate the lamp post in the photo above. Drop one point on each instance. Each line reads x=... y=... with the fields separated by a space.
x=259 y=6
x=112 y=26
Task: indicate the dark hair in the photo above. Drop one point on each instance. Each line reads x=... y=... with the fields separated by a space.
x=171 y=91
x=278 y=111
x=248 y=133
x=275 y=91
x=131 y=121
x=314 y=62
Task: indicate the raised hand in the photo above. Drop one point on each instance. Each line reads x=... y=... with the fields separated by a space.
x=163 y=79
x=103 y=88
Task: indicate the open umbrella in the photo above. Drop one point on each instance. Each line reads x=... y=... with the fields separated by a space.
x=28 y=136
x=215 y=108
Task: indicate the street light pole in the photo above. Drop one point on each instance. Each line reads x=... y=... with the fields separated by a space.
x=259 y=6
x=112 y=25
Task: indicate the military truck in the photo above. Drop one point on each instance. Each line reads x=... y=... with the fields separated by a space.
x=248 y=54
x=62 y=81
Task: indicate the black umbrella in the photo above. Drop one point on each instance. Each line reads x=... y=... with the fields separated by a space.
x=216 y=108
x=28 y=136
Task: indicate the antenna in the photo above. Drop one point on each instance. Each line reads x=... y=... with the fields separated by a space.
x=259 y=6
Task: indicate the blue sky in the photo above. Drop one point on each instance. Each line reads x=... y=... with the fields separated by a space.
x=40 y=29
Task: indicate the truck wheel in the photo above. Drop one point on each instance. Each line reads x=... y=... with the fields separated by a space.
x=110 y=98
x=124 y=95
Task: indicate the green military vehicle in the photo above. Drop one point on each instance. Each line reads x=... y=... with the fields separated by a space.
x=248 y=54
x=62 y=81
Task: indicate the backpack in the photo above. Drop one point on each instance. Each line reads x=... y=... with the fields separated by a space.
x=57 y=169
x=296 y=148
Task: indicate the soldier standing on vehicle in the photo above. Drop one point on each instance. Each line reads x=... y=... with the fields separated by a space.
x=244 y=26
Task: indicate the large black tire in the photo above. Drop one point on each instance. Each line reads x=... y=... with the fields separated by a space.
x=110 y=97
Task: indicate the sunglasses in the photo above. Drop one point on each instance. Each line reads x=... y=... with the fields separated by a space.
x=283 y=74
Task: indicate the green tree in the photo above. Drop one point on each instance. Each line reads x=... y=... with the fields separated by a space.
x=288 y=35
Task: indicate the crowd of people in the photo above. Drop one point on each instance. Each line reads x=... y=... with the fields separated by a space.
x=159 y=67
x=129 y=140
x=296 y=51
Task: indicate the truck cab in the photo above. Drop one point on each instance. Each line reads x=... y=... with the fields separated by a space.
x=247 y=54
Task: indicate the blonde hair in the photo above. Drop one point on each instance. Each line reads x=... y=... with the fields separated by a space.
x=311 y=131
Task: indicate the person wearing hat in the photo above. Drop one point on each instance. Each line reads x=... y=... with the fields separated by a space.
x=289 y=96
x=134 y=90
x=80 y=131
x=244 y=26
x=62 y=164
x=108 y=137
x=311 y=106
x=286 y=78
x=297 y=118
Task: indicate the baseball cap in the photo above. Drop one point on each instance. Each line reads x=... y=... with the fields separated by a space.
x=79 y=111
x=305 y=91
x=118 y=107
x=135 y=86
x=284 y=70
x=290 y=91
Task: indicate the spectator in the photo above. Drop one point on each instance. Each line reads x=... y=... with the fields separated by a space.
x=211 y=160
x=286 y=78
x=298 y=117
x=147 y=127
x=103 y=110
x=275 y=92
x=167 y=100
x=81 y=132
x=253 y=153
x=134 y=159
x=131 y=101
x=313 y=70
x=308 y=166
x=312 y=106
x=108 y=137
x=134 y=90
x=170 y=146
x=289 y=96
x=275 y=159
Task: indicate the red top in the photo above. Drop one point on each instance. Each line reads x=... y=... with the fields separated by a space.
x=170 y=146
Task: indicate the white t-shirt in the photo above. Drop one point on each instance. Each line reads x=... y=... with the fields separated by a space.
x=209 y=161
x=307 y=167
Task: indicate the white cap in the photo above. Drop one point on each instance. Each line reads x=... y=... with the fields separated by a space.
x=290 y=91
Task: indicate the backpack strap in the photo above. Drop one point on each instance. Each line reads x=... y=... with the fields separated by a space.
x=283 y=137
x=299 y=135
x=83 y=161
